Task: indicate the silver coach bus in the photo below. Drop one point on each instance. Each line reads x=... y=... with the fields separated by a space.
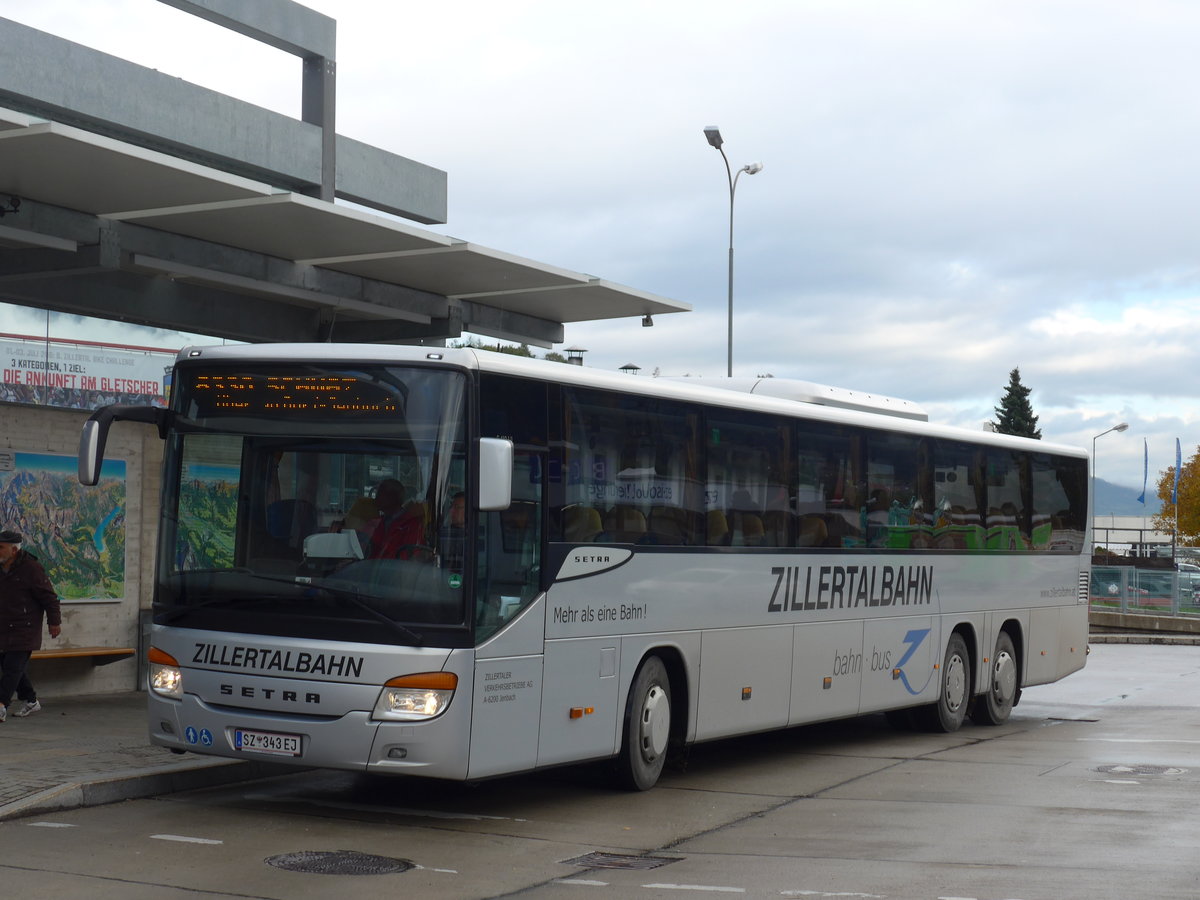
x=463 y=564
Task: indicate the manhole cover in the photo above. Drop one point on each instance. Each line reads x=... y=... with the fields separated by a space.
x=338 y=862
x=1140 y=770
x=619 y=861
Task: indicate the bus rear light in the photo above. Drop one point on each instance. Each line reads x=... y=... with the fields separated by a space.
x=415 y=697
x=165 y=677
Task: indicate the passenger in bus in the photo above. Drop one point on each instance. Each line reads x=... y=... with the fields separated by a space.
x=400 y=530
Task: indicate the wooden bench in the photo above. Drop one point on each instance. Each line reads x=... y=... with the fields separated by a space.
x=100 y=656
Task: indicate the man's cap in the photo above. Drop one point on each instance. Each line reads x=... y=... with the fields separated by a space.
x=10 y=537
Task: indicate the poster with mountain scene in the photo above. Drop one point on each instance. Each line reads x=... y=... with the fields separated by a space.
x=76 y=532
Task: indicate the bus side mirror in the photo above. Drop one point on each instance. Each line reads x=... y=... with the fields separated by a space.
x=495 y=473
x=95 y=434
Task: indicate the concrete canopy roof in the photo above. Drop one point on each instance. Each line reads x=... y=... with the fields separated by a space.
x=159 y=236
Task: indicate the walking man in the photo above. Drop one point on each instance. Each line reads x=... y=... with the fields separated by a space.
x=26 y=596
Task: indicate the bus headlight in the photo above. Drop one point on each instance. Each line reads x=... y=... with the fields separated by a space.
x=166 y=679
x=415 y=697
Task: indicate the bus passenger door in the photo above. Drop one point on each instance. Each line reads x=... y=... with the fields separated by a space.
x=579 y=700
x=899 y=654
x=507 y=697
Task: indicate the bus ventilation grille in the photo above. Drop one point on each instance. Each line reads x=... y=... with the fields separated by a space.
x=1084 y=585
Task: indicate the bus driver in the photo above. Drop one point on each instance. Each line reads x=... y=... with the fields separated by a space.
x=400 y=529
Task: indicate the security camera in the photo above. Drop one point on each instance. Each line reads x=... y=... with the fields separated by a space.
x=647 y=322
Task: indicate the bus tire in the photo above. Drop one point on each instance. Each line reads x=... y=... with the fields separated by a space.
x=993 y=706
x=947 y=714
x=647 y=730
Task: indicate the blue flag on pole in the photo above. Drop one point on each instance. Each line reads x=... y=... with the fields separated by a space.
x=1145 y=471
x=1175 y=489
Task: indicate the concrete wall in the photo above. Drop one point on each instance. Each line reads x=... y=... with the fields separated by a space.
x=33 y=429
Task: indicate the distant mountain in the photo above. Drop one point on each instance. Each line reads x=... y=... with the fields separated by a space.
x=1118 y=500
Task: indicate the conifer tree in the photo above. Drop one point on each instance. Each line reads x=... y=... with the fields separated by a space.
x=1014 y=415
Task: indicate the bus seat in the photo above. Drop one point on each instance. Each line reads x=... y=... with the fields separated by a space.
x=667 y=524
x=581 y=524
x=775 y=526
x=753 y=531
x=626 y=524
x=813 y=532
x=717 y=528
x=362 y=515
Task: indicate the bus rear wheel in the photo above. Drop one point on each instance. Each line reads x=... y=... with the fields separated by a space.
x=647 y=727
x=994 y=705
x=948 y=712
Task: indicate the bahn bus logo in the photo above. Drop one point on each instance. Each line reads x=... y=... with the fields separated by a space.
x=849 y=587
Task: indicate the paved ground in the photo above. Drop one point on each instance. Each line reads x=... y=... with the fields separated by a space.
x=91 y=750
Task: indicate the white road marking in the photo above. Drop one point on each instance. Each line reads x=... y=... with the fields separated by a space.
x=183 y=839
x=51 y=825
x=697 y=887
x=584 y=881
x=1137 y=741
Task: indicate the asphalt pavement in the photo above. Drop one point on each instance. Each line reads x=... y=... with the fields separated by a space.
x=91 y=750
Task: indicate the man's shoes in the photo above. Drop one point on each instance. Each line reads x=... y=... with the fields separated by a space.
x=27 y=708
x=3 y=713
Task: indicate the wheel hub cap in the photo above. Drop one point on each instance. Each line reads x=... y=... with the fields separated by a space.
x=956 y=683
x=656 y=723
x=1004 y=678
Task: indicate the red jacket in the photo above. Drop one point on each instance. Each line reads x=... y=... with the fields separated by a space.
x=26 y=595
x=396 y=537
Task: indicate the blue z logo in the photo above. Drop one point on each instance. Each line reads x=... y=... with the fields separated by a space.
x=914 y=639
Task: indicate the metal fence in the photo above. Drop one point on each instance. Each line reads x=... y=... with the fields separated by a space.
x=1126 y=589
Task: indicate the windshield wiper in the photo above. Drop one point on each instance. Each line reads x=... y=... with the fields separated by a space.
x=356 y=600
x=176 y=611
x=353 y=596
x=305 y=589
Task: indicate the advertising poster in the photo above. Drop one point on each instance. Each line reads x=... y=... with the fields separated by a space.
x=81 y=374
x=76 y=532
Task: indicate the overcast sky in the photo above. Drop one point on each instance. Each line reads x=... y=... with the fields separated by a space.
x=950 y=189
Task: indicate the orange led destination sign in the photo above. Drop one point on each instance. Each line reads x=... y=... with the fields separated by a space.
x=276 y=393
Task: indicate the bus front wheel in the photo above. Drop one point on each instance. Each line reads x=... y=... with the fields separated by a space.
x=647 y=727
x=948 y=712
x=994 y=705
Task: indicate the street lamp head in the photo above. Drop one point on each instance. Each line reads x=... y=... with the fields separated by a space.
x=753 y=168
x=1122 y=427
x=714 y=136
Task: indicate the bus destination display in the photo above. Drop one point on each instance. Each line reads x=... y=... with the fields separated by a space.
x=282 y=394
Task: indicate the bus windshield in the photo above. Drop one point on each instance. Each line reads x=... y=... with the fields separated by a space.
x=315 y=501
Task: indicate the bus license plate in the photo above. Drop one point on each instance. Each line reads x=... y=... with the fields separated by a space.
x=267 y=742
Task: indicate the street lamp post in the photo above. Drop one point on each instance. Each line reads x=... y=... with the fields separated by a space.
x=1092 y=483
x=714 y=139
